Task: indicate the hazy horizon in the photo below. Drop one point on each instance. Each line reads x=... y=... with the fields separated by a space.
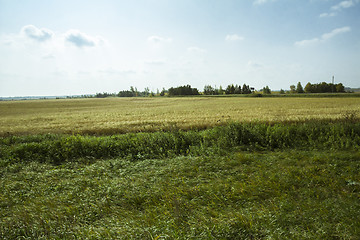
x=60 y=48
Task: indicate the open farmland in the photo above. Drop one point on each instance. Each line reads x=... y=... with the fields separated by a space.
x=227 y=168
x=121 y=115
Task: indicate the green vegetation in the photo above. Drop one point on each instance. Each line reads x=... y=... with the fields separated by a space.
x=231 y=89
x=294 y=180
x=183 y=91
x=56 y=149
x=190 y=168
x=241 y=195
x=266 y=90
x=324 y=88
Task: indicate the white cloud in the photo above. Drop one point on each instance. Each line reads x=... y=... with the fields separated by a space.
x=80 y=39
x=234 y=37
x=323 y=15
x=196 y=50
x=344 y=4
x=74 y=37
x=305 y=43
x=335 y=32
x=37 y=34
x=338 y=7
x=323 y=38
x=157 y=39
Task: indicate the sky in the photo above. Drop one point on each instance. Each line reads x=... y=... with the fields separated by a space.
x=70 y=47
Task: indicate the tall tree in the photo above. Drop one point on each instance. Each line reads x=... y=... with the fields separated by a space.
x=230 y=89
x=309 y=88
x=246 y=89
x=237 y=89
x=299 y=88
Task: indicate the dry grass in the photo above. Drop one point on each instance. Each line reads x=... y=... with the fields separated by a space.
x=120 y=115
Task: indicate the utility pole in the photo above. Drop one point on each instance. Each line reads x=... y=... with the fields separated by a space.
x=332 y=87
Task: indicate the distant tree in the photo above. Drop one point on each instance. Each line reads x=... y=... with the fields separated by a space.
x=309 y=88
x=104 y=95
x=183 y=90
x=282 y=91
x=163 y=91
x=246 y=89
x=333 y=87
x=134 y=91
x=292 y=89
x=209 y=90
x=266 y=90
x=340 y=88
x=146 y=91
x=230 y=89
x=220 y=91
x=125 y=93
x=324 y=87
x=299 y=88
x=237 y=89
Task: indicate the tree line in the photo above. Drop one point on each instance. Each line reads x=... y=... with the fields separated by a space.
x=230 y=89
x=187 y=90
x=324 y=88
x=133 y=92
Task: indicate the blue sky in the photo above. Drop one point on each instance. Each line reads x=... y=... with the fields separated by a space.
x=65 y=47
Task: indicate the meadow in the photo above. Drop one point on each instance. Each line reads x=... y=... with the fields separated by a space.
x=180 y=168
x=122 y=115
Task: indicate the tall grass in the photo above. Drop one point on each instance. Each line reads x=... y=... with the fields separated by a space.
x=247 y=136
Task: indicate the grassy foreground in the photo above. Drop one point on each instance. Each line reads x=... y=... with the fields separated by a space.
x=267 y=195
x=239 y=181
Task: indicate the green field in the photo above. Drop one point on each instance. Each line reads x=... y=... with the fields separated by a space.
x=180 y=168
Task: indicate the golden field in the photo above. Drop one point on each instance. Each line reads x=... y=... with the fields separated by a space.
x=121 y=115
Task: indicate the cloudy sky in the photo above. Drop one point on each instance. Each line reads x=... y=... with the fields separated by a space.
x=65 y=47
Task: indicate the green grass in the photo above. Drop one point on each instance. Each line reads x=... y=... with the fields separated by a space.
x=342 y=134
x=240 y=195
x=289 y=180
